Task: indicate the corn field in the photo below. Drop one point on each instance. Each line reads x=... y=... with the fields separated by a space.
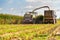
x=26 y=31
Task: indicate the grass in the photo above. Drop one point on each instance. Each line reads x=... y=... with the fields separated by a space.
x=58 y=37
x=26 y=31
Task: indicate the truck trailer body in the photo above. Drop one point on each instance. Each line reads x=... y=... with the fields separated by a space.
x=49 y=16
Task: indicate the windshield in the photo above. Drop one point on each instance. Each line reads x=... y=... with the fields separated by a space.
x=28 y=16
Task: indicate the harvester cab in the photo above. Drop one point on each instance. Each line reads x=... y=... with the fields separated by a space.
x=28 y=18
x=49 y=16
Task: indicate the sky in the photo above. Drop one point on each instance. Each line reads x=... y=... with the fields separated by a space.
x=19 y=7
